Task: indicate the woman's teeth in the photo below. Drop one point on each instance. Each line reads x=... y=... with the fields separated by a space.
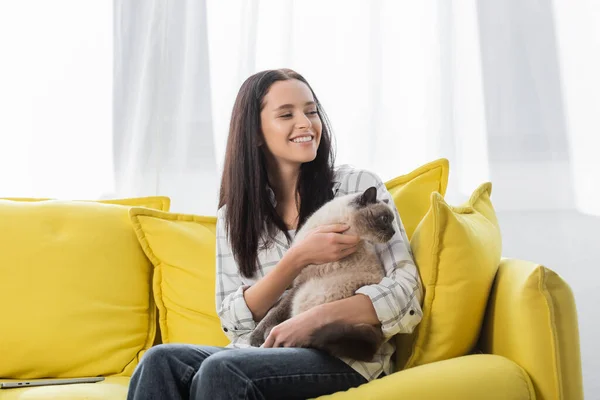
x=302 y=139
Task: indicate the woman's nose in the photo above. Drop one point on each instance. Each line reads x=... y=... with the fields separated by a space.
x=303 y=122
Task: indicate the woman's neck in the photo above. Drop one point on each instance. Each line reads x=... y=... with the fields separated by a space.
x=284 y=179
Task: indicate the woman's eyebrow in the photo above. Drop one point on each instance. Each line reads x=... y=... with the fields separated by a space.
x=286 y=106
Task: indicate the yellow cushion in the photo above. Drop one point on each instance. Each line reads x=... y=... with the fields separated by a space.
x=74 y=288
x=484 y=376
x=457 y=251
x=182 y=249
x=112 y=388
x=411 y=191
x=532 y=319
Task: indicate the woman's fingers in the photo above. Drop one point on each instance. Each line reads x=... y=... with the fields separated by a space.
x=351 y=240
x=270 y=341
x=349 y=250
x=334 y=228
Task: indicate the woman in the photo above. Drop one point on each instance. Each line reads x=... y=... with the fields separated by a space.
x=278 y=170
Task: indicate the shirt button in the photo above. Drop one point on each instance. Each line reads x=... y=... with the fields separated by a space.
x=412 y=312
x=225 y=329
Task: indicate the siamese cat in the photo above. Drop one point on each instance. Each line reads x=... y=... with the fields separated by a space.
x=369 y=219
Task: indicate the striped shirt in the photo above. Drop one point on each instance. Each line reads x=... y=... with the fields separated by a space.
x=396 y=298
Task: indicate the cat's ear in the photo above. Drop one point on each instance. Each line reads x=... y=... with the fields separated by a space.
x=368 y=197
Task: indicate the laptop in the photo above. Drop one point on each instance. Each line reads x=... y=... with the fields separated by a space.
x=47 y=382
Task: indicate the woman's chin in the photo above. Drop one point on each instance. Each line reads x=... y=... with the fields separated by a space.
x=308 y=158
x=296 y=158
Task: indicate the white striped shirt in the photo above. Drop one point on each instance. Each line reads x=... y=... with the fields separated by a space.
x=396 y=298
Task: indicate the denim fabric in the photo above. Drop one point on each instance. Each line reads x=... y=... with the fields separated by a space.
x=181 y=371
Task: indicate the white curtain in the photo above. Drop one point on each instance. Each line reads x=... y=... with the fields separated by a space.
x=134 y=98
x=578 y=37
x=56 y=99
x=400 y=80
x=163 y=135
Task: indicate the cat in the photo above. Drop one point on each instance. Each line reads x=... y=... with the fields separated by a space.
x=371 y=220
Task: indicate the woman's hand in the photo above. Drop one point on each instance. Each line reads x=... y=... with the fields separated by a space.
x=326 y=244
x=295 y=331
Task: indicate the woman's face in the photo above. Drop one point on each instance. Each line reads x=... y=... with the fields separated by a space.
x=290 y=124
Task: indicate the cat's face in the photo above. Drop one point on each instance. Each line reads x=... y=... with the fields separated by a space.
x=372 y=219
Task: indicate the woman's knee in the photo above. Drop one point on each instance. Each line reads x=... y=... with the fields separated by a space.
x=160 y=354
x=222 y=363
x=221 y=375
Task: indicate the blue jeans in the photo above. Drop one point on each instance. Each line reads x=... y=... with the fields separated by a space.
x=182 y=371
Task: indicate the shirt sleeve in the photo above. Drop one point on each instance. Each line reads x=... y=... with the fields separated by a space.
x=236 y=317
x=397 y=298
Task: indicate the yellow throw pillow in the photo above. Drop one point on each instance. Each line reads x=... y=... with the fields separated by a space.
x=74 y=288
x=411 y=191
x=183 y=251
x=457 y=251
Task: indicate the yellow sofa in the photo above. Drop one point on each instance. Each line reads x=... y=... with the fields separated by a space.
x=529 y=349
x=101 y=270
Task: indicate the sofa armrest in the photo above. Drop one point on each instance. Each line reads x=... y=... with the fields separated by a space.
x=481 y=376
x=531 y=319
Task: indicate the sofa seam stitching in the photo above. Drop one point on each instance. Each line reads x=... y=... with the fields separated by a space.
x=555 y=353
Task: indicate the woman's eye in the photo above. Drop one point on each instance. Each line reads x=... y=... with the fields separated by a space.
x=286 y=116
x=312 y=112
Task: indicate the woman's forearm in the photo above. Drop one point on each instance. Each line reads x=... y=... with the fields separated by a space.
x=357 y=309
x=261 y=296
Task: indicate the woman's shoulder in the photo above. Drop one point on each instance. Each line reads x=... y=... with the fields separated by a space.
x=221 y=213
x=351 y=179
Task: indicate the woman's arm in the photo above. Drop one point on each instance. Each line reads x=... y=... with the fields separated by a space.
x=261 y=296
x=295 y=332
x=357 y=309
x=241 y=306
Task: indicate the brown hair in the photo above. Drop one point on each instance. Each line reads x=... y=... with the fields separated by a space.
x=250 y=216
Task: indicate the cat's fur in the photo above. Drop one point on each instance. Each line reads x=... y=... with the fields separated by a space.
x=371 y=220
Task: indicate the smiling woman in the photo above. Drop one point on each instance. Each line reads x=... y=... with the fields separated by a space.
x=279 y=170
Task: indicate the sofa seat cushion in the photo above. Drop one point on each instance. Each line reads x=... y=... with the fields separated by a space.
x=481 y=376
x=112 y=388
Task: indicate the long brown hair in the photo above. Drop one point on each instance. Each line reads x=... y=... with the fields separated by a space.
x=250 y=216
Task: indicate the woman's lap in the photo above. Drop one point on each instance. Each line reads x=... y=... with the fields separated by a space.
x=254 y=372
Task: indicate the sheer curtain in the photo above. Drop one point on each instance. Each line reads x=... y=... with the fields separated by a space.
x=134 y=98
x=578 y=34
x=162 y=110
x=56 y=99
x=400 y=80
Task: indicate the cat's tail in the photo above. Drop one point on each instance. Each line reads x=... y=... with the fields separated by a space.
x=358 y=342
